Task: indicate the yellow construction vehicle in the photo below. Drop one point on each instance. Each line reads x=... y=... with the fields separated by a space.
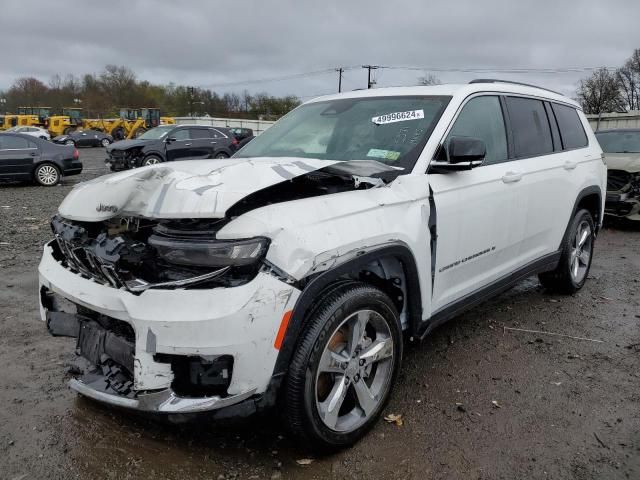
x=33 y=116
x=167 y=121
x=70 y=120
x=8 y=121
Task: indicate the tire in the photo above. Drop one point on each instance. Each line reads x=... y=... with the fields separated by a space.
x=70 y=142
x=118 y=134
x=575 y=261
x=47 y=175
x=105 y=142
x=310 y=393
x=151 y=160
x=221 y=155
x=68 y=130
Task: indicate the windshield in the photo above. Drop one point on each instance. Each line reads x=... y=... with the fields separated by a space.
x=391 y=130
x=620 y=142
x=156 y=133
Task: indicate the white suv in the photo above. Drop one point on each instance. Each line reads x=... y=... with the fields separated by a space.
x=288 y=274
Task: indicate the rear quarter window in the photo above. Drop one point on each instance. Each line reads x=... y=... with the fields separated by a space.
x=530 y=127
x=571 y=130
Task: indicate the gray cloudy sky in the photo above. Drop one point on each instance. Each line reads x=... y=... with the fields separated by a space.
x=223 y=44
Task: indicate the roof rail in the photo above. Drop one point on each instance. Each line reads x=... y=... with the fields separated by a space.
x=497 y=80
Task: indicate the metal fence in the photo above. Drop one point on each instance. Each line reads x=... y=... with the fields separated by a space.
x=605 y=121
x=258 y=126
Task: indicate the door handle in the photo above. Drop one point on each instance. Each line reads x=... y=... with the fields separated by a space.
x=569 y=165
x=213 y=143
x=187 y=144
x=512 y=177
x=33 y=154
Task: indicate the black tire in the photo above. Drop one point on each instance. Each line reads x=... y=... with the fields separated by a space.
x=47 y=175
x=564 y=279
x=70 y=142
x=221 y=155
x=105 y=142
x=151 y=160
x=68 y=130
x=118 y=134
x=300 y=390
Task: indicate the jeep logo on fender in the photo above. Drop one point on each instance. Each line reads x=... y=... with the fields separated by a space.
x=106 y=208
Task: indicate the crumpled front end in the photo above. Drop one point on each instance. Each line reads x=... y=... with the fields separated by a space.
x=623 y=194
x=156 y=331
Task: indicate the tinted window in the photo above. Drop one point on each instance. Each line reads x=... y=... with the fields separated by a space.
x=571 y=130
x=482 y=118
x=217 y=134
x=181 y=134
x=199 y=133
x=530 y=126
x=620 y=141
x=13 y=143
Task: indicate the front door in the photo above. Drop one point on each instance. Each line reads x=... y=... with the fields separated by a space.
x=478 y=229
x=17 y=156
x=179 y=148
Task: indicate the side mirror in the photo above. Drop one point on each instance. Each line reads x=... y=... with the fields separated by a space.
x=462 y=153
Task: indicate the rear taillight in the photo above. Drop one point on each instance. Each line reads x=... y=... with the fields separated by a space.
x=76 y=154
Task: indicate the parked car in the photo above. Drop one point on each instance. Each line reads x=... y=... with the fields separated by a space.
x=85 y=138
x=241 y=133
x=294 y=270
x=168 y=143
x=24 y=157
x=31 y=131
x=622 y=154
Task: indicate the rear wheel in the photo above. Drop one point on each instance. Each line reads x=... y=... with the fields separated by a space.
x=68 y=130
x=105 y=142
x=118 y=134
x=344 y=366
x=577 y=252
x=47 y=175
x=221 y=155
x=69 y=142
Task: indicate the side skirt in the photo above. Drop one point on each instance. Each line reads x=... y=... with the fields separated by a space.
x=543 y=264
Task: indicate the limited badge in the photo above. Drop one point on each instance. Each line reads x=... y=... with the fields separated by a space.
x=398 y=117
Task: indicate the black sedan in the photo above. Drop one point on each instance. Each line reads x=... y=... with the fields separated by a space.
x=168 y=143
x=29 y=158
x=85 y=138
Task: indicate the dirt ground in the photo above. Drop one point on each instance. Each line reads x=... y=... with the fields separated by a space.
x=478 y=401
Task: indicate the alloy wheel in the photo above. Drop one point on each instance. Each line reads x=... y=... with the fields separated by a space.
x=354 y=371
x=581 y=252
x=47 y=175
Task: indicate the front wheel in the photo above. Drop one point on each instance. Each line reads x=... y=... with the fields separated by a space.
x=221 y=155
x=344 y=366
x=69 y=142
x=105 y=142
x=151 y=160
x=575 y=261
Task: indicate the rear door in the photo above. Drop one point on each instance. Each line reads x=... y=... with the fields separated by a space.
x=548 y=193
x=478 y=232
x=203 y=142
x=17 y=156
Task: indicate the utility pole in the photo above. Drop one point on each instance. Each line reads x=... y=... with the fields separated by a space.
x=370 y=83
x=339 y=70
x=190 y=91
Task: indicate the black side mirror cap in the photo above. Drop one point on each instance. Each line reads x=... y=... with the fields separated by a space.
x=462 y=153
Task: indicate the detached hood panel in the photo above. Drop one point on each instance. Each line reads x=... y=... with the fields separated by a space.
x=187 y=189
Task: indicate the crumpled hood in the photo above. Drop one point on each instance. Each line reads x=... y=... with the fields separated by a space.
x=126 y=144
x=629 y=162
x=186 y=189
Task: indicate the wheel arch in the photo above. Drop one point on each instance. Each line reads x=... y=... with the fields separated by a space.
x=392 y=268
x=589 y=198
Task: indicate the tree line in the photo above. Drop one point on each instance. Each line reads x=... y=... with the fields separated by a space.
x=606 y=91
x=103 y=94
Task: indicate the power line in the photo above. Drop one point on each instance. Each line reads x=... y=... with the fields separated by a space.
x=496 y=69
x=277 y=79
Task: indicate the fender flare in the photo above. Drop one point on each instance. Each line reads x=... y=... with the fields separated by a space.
x=321 y=282
x=591 y=190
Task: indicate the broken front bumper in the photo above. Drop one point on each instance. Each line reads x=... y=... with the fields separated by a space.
x=623 y=205
x=241 y=322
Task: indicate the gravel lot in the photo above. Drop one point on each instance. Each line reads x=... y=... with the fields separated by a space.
x=478 y=401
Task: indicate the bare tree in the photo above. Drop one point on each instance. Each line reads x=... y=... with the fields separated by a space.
x=629 y=79
x=429 y=79
x=600 y=93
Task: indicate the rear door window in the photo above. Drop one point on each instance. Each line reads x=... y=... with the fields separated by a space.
x=530 y=127
x=571 y=130
x=13 y=143
x=196 y=133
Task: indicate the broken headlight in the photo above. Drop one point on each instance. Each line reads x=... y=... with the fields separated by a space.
x=202 y=252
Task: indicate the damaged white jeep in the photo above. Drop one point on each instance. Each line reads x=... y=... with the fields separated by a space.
x=290 y=274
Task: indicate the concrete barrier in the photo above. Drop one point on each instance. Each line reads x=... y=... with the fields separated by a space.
x=258 y=126
x=606 y=121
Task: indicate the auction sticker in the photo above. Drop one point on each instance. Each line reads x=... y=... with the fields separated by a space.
x=398 y=117
x=386 y=154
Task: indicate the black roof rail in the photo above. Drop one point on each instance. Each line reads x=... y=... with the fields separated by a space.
x=497 y=80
